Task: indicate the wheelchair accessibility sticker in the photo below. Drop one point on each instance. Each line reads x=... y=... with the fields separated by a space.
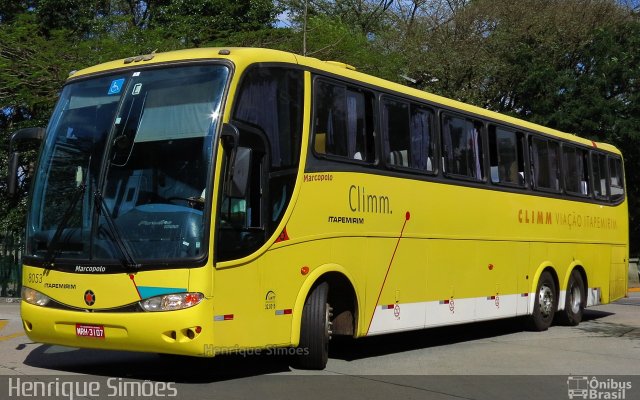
x=116 y=86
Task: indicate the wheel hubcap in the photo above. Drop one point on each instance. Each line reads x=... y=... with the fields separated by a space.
x=327 y=322
x=575 y=299
x=545 y=298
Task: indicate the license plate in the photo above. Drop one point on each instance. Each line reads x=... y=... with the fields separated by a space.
x=92 y=331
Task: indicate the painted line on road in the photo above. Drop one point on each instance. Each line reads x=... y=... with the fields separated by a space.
x=4 y=323
x=12 y=336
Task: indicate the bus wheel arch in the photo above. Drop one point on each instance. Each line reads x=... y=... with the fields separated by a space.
x=545 y=302
x=342 y=297
x=575 y=299
x=328 y=295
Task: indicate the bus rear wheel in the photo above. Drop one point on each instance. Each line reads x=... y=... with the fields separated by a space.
x=545 y=304
x=315 y=330
x=575 y=302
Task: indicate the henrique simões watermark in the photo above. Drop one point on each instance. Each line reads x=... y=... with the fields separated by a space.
x=63 y=388
x=220 y=379
x=211 y=350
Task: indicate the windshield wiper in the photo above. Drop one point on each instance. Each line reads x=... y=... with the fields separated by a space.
x=53 y=244
x=127 y=259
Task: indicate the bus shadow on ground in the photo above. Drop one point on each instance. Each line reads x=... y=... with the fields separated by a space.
x=155 y=367
x=349 y=349
x=593 y=315
x=131 y=365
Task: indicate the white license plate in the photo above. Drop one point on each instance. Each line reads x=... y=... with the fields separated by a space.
x=92 y=331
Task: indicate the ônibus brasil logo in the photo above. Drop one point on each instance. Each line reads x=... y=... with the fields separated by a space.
x=583 y=387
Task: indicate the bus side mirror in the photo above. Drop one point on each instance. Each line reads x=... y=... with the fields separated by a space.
x=239 y=162
x=23 y=135
x=230 y=137
x=240 y=173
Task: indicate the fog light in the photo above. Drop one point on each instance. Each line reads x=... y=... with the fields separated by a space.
x=32 y=296
x=171 y=302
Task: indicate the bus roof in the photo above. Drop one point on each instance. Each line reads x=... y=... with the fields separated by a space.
x=243 y=56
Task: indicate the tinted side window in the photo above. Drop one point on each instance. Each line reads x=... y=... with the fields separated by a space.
x=616 y=180
x=407 y=135
x=600 y=181
x=545 y=157
x=422 y=143
x=271 y=99
x=343 y=122
x=268 y=114
x=576 y=171
x=506 y=155
x=462 y=147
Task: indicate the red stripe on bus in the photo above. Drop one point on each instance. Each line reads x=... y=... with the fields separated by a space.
x=133 y=279
x=406 y=218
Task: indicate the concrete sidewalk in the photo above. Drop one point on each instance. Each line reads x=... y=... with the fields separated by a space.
x=10 y=300
x=634 y=275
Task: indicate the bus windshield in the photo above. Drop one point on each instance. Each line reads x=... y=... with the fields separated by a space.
x=127 y=161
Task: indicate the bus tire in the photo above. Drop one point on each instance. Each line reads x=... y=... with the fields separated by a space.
x=545 y=304
x=315 y=331
x=575 y=302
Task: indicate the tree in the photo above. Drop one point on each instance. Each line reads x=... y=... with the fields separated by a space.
x=41 y=41
x=365 y=16
x=200 y=22
x=344 y=31
x=571 y=65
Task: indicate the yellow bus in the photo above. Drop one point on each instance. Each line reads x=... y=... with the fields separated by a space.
x=206 y=201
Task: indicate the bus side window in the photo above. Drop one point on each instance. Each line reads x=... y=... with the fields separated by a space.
x=576 y=176
x=462 y=147
x=343 y=122
x=545 y=163
x=506 y=156
x=616 y=178
x=407 y=135
x=268 y=113
x=422 y=143
x=600 y=182
x=395 y=132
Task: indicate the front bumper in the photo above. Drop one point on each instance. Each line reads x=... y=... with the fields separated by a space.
x=184 y=332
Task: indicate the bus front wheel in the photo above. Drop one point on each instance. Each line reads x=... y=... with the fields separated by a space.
x=544 y=307
x=315 y=330
x=575 y=302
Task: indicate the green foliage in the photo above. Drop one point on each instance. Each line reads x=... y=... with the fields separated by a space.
x=72 y=15
x=41 y=41
x=573 y=65
x=330 y=39
x=200 y=22
x=365 y=16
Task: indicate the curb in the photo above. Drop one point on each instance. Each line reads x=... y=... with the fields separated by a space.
x=10 y=300
x=634 y=289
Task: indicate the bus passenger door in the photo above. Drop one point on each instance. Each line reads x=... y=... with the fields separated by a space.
x=242 y=221
x=265 y=131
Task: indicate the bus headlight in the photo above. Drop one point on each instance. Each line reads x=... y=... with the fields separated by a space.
x=171 y=302
x=32 y=296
